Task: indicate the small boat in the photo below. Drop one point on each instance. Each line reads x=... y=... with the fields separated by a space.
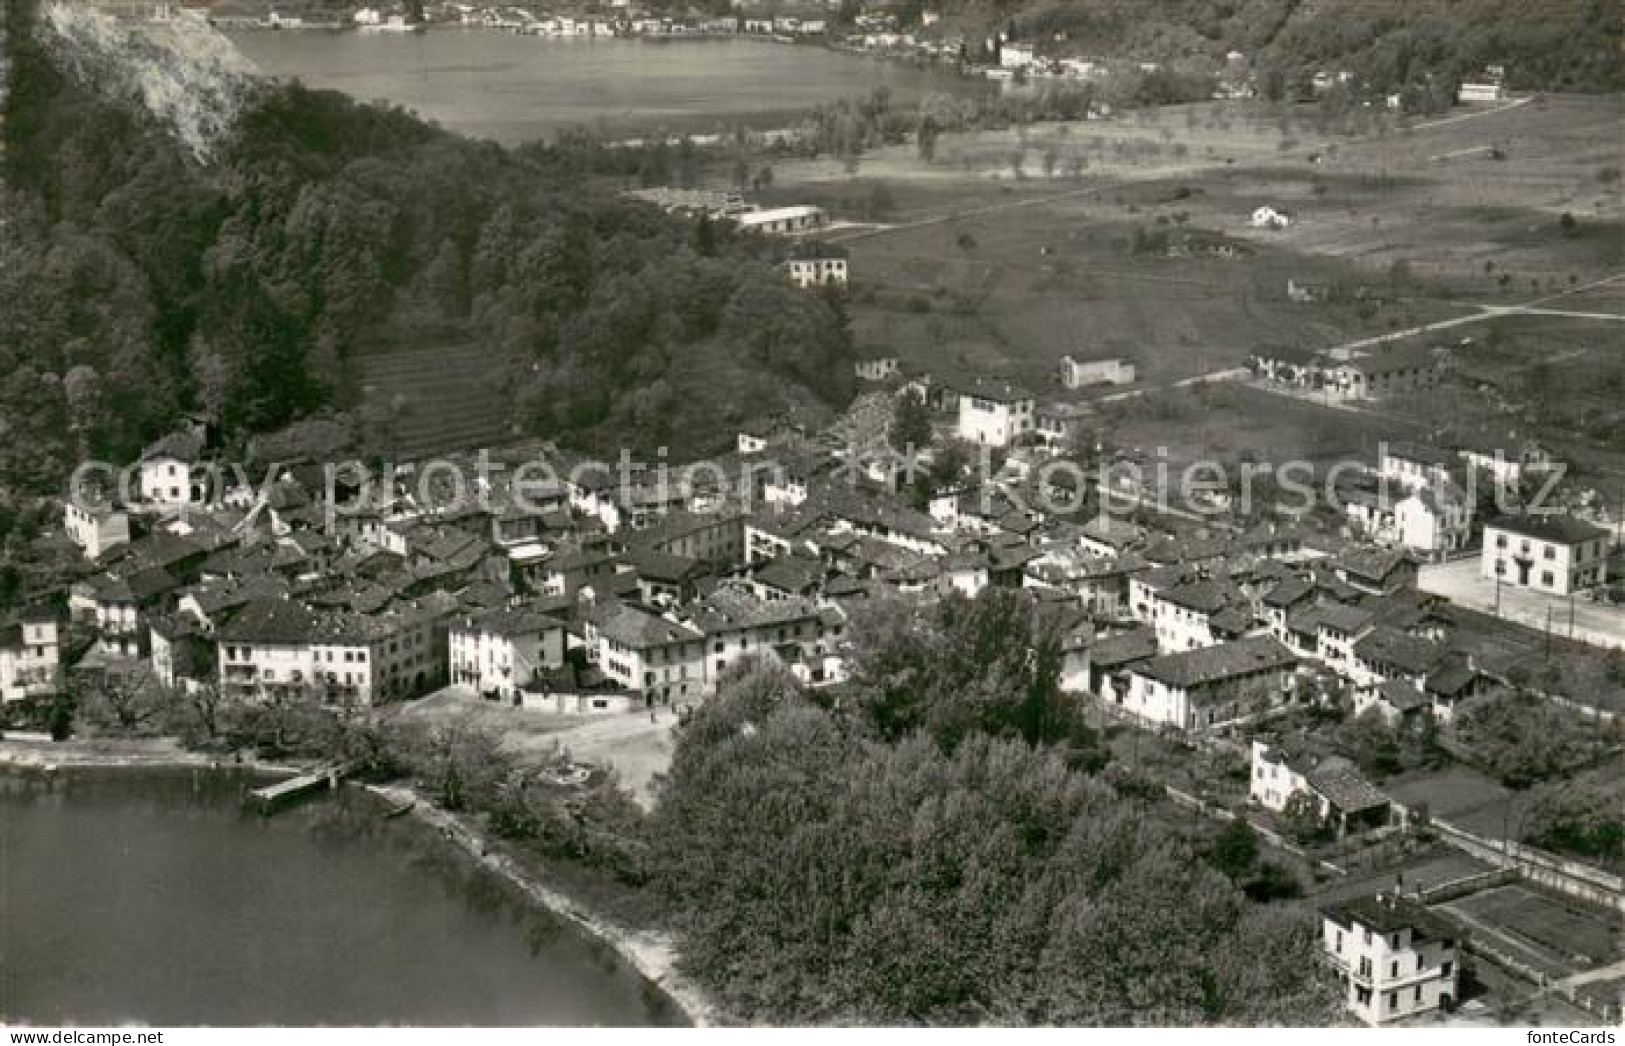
x=397 y=811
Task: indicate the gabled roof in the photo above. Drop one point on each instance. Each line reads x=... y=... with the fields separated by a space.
x=509 y=622
x=730 y=610
x=1125 y=648
x=1215 y=664
x=278 y=621
x=1371 y=564
x=1387 y=645
x=1289 y=592
x=1337 y=779
x=1401 y=695
x=641 y=629
x=1559 y=529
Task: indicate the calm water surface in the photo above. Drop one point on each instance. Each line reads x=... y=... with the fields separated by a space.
x=131 y=897
x=518 y=88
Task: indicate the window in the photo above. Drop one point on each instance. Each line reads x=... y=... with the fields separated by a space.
x=1548 y=552
x=1393 y=969
x=1444 y=969
x=1393 y=1000
x=1546 y=578
x=1418 y=996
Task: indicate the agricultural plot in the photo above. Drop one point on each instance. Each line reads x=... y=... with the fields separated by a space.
x=1018 y=246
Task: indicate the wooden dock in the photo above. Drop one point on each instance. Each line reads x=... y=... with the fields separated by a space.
x=267 y=799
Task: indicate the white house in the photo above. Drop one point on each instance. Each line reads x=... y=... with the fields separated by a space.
x=1212 y=685
x=1016 y=56
x=1077 y=374
x=498 y=653
x=656 y=656
x=95 y=529
x=1555 y=554
x=737 y=625
x=816 y=268
x=1507 y=468
x=1339 y=794
x=1413 y=465
x=1393 y=957
x=1483 y=89
x=165 y=474
x=1435 y=520
x=30 y=658
x=995 y=413
x=1267 y=217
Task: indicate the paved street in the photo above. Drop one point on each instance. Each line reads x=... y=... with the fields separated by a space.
x=1580 y=618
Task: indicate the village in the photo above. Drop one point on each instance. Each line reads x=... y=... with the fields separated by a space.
x=1397 y=661
x=598 y=596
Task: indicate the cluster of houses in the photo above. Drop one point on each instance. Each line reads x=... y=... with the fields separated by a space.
x=1356 y=377
x=598 y=592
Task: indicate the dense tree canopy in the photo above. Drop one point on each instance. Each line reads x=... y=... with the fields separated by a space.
x=822 y=876
x=323 y=230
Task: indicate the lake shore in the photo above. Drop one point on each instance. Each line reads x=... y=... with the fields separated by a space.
x=653 y=954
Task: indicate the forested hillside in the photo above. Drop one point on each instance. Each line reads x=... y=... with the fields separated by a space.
x=1389 y=44
x=145 y=275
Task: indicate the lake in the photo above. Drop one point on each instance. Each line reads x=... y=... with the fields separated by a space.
x=514 y=89
x=141 y=897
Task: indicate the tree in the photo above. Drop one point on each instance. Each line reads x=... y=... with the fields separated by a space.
x=1235 y=851
x=1303 y=820
x=910 y=428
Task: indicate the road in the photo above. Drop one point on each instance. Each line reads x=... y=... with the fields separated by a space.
x=1483 y=313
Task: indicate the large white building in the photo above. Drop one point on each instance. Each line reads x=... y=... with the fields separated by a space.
x=784 y=221
x=1212 y=685
x=278 y=648
x=1393 y=957
x=651 y=654
x=995 y=413
x=500 y=652
x=1558 y=555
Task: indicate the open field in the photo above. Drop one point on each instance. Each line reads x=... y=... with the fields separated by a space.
x=1011 y=248
x=1229 y=422
x=1567 y=929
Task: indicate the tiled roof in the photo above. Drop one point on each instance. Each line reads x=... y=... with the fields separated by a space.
x=1387 y=913
x=1386 y=645
x=641 y=629
x=1341 y=784
x=278 y=621
x=1563 y=530
x=1215 y=664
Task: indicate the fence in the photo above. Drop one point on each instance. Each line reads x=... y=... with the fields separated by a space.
x=1570 y=877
